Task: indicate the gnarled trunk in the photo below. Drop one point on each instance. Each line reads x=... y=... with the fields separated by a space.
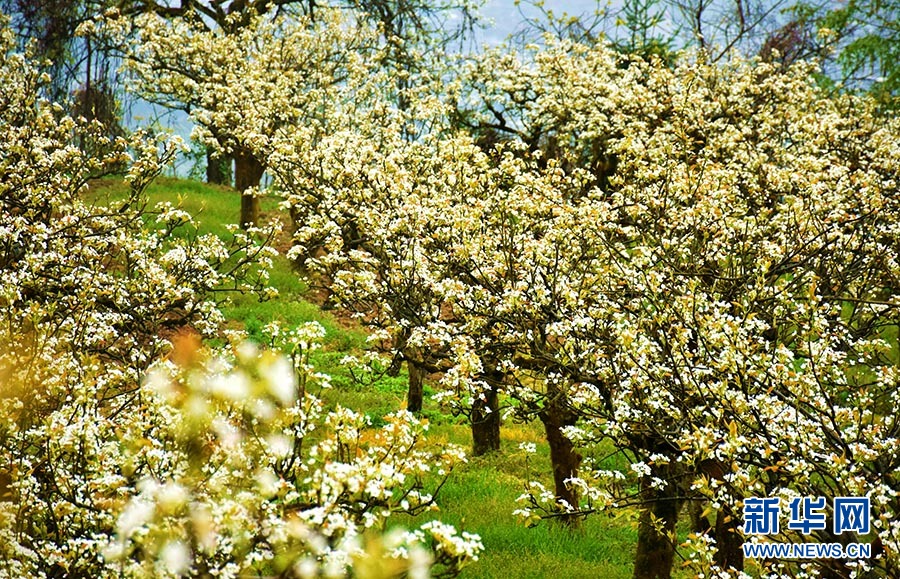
x=656 y=547
x=416 y=387
x=218 y=168
x=485 y=417
x=729 y=553
x=565 y=460
x=247 y=174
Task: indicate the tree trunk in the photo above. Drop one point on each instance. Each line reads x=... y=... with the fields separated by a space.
x=656 y=548
x=247 y=174
x=218 y=168
x=563 y=458
x=415 y=393
x=699 y=522
x=486 y=420
x=729 y=552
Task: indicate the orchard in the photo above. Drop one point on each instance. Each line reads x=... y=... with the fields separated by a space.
x=679 y=268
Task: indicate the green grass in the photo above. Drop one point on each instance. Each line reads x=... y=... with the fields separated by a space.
x=213 y=206
x=480 y=496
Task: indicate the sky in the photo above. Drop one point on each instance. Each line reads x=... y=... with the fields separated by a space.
x=507 y=17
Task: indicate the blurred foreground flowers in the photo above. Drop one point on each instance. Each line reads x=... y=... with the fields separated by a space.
x=220 y=465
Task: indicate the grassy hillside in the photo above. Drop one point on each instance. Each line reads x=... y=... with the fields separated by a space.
x=479 y=497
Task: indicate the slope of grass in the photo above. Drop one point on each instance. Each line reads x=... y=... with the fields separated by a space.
x=481 y=495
